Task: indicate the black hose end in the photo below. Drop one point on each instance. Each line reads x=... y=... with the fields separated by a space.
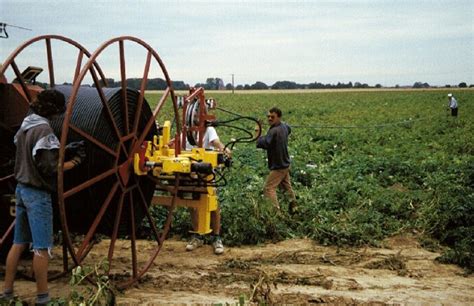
x=203 y=168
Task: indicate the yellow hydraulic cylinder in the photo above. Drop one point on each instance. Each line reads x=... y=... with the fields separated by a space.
x=207 y=204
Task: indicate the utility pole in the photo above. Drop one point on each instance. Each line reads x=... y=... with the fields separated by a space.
x=232 y=83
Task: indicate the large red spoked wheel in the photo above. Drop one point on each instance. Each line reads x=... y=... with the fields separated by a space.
x=103 y=195
x=14 y=103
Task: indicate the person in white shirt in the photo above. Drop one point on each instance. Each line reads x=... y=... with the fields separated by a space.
x=210 y=141
x=453 y=105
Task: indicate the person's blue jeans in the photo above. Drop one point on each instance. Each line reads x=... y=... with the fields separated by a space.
x=34 y=217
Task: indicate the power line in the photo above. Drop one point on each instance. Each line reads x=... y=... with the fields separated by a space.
x=3 y=29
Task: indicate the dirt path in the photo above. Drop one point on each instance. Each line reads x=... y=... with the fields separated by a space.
x=293 y=271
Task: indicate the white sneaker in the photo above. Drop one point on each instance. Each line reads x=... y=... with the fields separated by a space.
x=218 y=246
x=194 y=244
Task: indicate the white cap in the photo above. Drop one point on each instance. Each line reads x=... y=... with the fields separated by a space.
x=450 y=95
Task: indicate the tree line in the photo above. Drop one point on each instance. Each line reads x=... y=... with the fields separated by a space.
x=218 y=84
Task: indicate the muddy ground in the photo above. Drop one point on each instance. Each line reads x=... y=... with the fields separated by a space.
x=297 y=271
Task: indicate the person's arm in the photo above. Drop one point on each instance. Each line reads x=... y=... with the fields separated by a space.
x=263 y=142
x=216 y=143
x=47 y=162
x=70 y=164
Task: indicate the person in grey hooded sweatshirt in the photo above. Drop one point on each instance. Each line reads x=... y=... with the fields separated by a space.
x=36 y=164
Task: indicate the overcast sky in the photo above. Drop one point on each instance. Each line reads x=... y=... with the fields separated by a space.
x=386 y=42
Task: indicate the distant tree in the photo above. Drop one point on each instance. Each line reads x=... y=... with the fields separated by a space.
x=284 y=85
x=154 y=84
x=214 y=84
x=447 y=86
x=220 y=84
x=378 y=86
x=316 y=85
x=259 y=85
x=211 y=83
x=462 y=85
x=228 y=86
x=180 y=85
x=360 y=85
x=246 y=86
x=421 y=85
x=239 y=87
x=397 y=86
x=471 y=85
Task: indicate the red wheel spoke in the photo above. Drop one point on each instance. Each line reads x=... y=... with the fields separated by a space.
x=93 y=140
x=50 y=62
x=124 y=87
x=6 y=178
x=113 y=238
x=133 y=236
x=151 y=121
x=7 y=233
x=96 y=222
x=148 y=215
x=171 y=208
x=141 y=97
x=21 y=80
x=78 y=65
x=103 y=99
x=88 y=183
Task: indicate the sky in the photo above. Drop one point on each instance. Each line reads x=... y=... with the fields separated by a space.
x=375 y=42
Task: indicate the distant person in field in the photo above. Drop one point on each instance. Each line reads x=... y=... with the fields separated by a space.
x=275 y=142
x=453 y=105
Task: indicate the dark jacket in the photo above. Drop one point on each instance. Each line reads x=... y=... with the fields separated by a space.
x=276 y=144
x=36 y=159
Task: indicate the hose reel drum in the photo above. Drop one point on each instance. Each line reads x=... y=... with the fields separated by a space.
x=101 y=196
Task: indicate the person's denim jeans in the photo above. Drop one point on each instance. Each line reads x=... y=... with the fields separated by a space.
x=34 y=217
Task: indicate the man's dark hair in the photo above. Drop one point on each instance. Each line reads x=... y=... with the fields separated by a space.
x=49 y=102
x=275 y=110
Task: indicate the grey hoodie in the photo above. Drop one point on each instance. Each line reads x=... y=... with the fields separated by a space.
x=36 y=159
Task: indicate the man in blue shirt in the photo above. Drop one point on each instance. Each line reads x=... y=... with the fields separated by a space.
x=275 y=142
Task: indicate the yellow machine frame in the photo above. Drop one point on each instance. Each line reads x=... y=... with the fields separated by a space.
x=160 y=160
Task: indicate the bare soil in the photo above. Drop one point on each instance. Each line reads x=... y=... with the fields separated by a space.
x=297 y=271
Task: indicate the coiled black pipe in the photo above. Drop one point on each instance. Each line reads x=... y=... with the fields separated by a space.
x=90 y=116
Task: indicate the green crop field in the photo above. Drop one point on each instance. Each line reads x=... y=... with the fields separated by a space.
x=365 y=165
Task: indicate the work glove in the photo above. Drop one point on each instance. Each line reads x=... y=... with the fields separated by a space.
x=76 y=151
